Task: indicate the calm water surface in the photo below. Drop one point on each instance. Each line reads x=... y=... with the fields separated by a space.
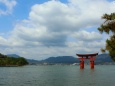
x=57 y=75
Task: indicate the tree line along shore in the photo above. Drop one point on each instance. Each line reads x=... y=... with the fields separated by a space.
x=6 y=61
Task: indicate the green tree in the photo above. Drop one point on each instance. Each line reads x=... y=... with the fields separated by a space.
x=21 y=61
x=109 y=27
x=11 y=61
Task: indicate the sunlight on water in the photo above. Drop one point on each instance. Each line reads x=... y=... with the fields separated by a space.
x=102 y=75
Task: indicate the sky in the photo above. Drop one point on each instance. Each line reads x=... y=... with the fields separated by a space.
x=38 y=29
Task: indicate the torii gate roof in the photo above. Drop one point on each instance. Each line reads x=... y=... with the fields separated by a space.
x=85 y=55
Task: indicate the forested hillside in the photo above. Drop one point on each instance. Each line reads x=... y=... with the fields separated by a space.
x=11 y=61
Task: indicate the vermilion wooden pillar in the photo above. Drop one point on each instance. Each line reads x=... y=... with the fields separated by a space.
x=92 y=58
x=92 y=64
x=81 y=64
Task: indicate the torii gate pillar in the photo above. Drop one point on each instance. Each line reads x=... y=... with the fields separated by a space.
x=81 y=64
x=92 y=64
x=91 y=57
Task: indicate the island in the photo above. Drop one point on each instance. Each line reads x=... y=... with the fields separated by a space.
x=6 y=61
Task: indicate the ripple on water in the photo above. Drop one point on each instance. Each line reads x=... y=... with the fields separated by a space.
x=57 y=76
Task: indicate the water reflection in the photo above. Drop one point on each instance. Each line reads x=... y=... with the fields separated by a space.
x=87 y=77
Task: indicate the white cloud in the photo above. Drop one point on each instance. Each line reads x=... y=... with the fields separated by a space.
x=49 y=25
x=56 y=16
x=2 y=41
x=87 y=36
x=9 y=4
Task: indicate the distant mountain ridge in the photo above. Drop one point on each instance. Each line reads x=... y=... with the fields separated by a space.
x=61 y=59
x=13 y=55
x=31 y=61
x=101 y=58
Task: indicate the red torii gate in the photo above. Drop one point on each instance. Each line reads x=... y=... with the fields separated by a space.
x=91 y=57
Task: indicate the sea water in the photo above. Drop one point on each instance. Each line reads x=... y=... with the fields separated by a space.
x=58 y=75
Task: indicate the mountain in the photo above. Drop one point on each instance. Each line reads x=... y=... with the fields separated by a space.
x=61 y=59
x=32 y=61
x=13 y=55
x=12 y=60
x=70 y=59
x=103 y=58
